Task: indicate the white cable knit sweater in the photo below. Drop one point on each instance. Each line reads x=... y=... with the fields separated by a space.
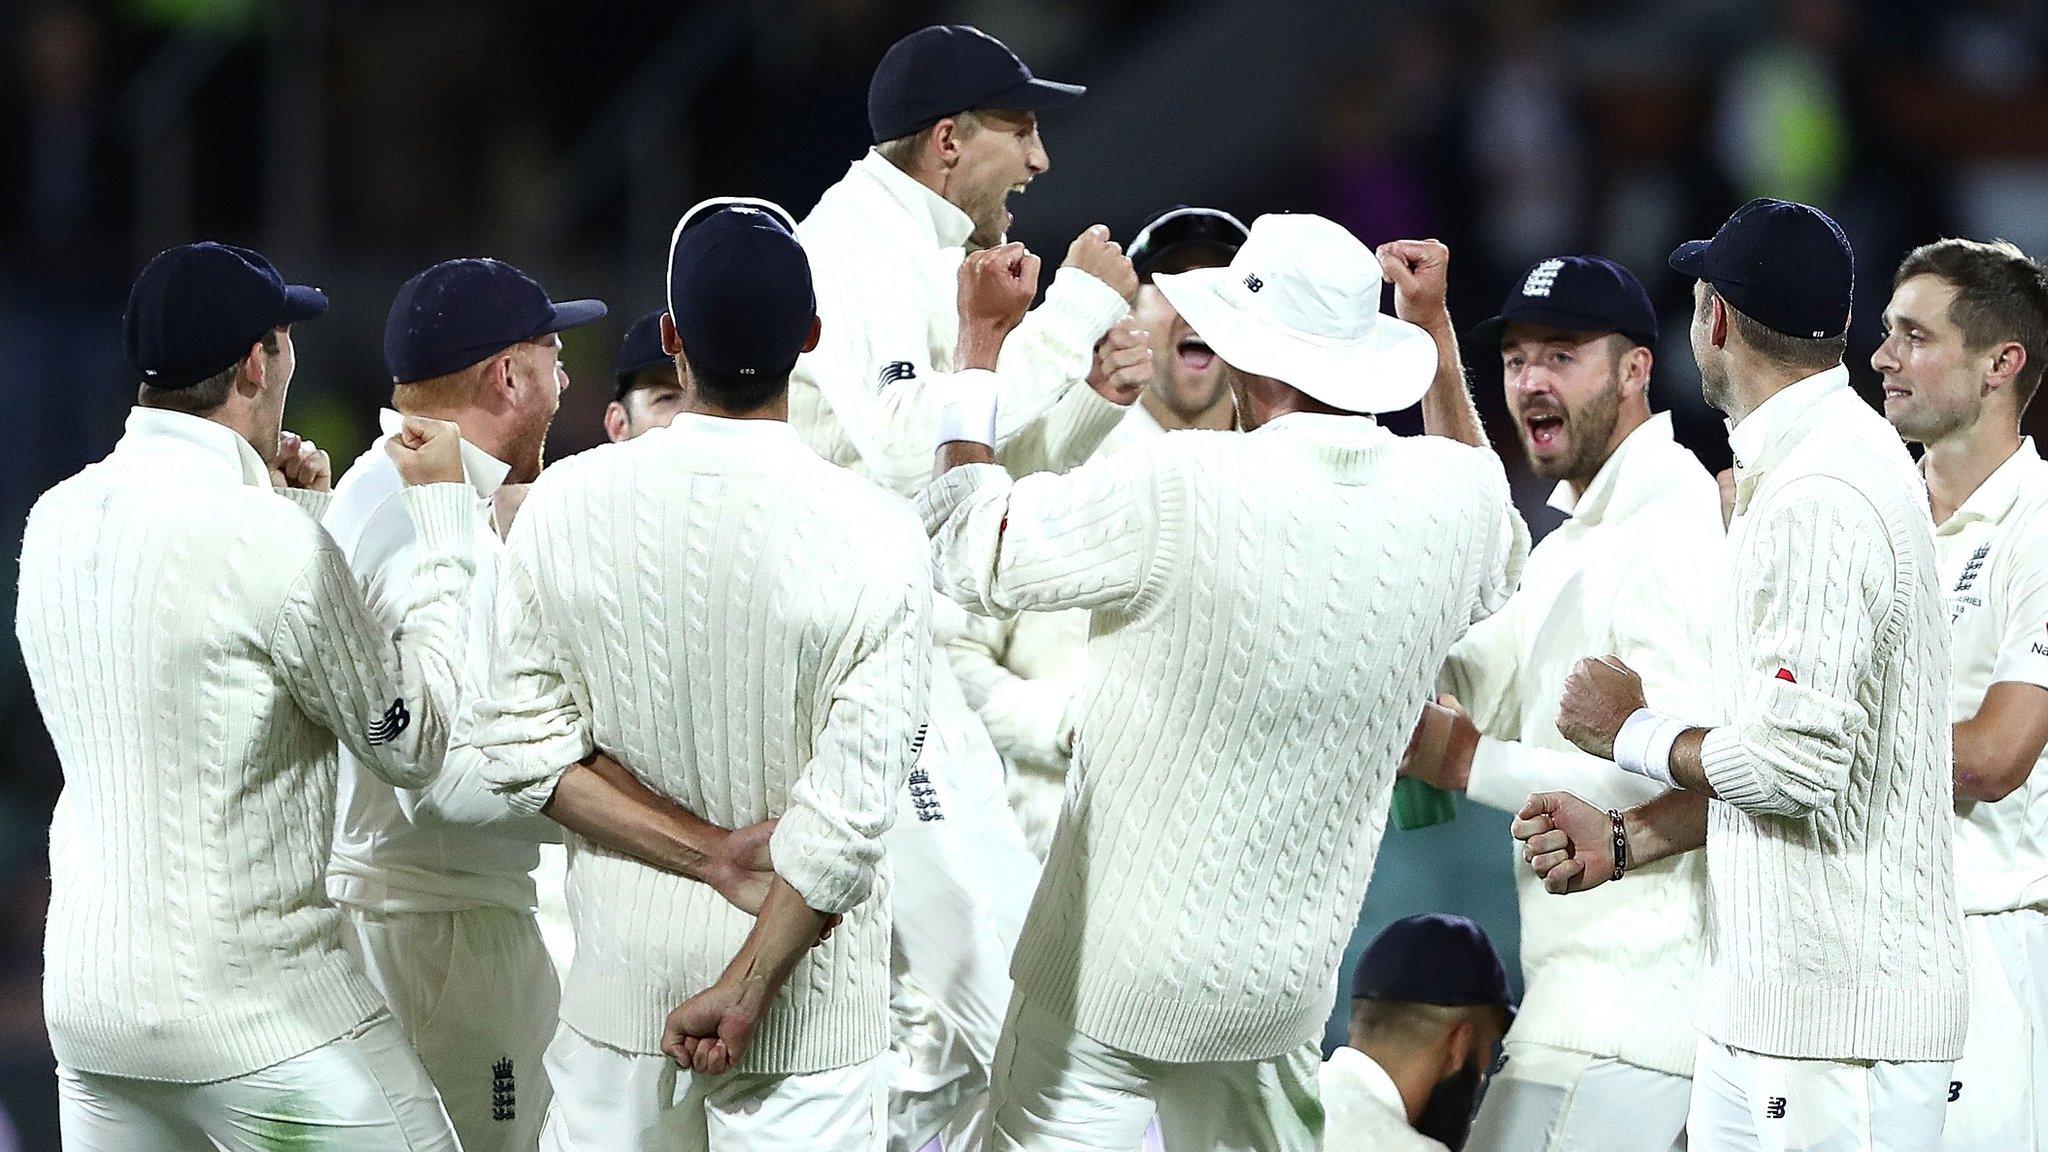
x=745 y=627
x=197 y=643
x=1270 y=609
x=1836 y=933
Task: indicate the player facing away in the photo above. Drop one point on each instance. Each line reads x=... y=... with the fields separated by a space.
x=1269 y=609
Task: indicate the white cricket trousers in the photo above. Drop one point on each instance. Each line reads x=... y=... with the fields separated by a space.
x=1998 y=1093
x=1746 y=1102
x=1056 y=1090
x=1547 y=1099
x=362 y=1092
x=961 y=880
x=477 y=997
x=608 y=1100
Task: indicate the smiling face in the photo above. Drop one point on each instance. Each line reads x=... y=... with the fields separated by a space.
x=999 y=154
x=1565 y=391
x=1933 y=385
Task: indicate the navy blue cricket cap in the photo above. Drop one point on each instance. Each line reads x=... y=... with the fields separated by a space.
x=461 y=311
x=197 y=309
x=640 y=350
x=1787 y=266
x=1588 y=294
x=739 y=288
x=946 y=69
x=1433 y=959
x=1176 y=239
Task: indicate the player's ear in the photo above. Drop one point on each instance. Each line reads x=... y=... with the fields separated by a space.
x=615 y=421
x=811 y=341
x=671 y=341
x=1457 y=1048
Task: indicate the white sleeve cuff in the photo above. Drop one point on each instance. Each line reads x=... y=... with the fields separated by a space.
x=968 y=412
x=1643 y=746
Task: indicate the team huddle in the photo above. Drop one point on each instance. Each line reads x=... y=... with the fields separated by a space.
x=951 y=724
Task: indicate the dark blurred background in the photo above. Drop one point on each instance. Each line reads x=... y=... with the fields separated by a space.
x=357 y=141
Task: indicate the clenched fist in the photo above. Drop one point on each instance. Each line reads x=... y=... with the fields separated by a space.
x=1599 y=696
x=997 y=286
x=1095 y=253
x=427 y=451
x=300 y=464
x=1566 y=842
x=1420 y=272
x=1123 y=362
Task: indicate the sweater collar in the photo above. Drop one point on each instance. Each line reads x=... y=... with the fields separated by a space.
x=1370 y=1076
x=485 y=472
x=1781 y=418
x=2000 y=490
x=222 y=449
x=935 y=216
x=1627 y=480
x=725 y=430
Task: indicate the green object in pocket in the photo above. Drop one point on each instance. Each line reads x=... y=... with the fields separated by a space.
x=1419 y=805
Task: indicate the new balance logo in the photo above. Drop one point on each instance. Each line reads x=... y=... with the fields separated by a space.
x=1253 y=283
x=895 y=370
x=1775 y=1108
x=504 y=1093
x=389 y=726
x=924 y=796
x=1955 y=1091
x=917 y=741
x=1541 y=277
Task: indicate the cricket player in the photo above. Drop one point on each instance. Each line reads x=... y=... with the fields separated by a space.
x=1623 y=573
x=1021 y=674
x=954 y=116
x=1966 y=337
x=1429 y=1003
x=649 y=395
x=440 y=883
x=1834 y=1000
x=1236 y=745
x=198 y=646
x=742 y=625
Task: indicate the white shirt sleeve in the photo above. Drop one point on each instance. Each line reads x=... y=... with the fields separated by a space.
x=530 y=725
x=2023 y=647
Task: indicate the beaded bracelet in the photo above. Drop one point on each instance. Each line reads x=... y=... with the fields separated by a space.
x=1620 y=843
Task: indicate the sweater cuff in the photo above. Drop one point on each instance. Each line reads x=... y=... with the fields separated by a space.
x=944 y=496
x=444 y=515
x=1731 y=770
x=526 y=774
x=1081 y=308
x=813 y=855
x=315 y=503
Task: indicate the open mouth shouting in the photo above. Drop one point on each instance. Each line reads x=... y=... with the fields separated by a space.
x=1194 y=354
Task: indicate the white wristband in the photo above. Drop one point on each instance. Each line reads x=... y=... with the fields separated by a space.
x=968 y=411
x=1643 y=746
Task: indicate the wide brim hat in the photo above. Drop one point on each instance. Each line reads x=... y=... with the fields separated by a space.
x=1300 y=303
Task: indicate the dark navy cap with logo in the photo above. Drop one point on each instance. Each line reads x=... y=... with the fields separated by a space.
x=461 y=311
x=947 y=69
x=739 y=287
x=197 y=309
x=1434 y=959
x=1177 y=239
x=1787 y=266
x=641 y=350
x=1588 y=294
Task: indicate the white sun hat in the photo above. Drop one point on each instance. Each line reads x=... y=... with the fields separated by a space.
x=1300 y=302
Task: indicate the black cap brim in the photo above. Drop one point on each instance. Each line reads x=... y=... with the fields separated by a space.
x=1487 y=333
x=1033 y=95
x=573 y=314
x=1691 y=258
x=302 y=303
